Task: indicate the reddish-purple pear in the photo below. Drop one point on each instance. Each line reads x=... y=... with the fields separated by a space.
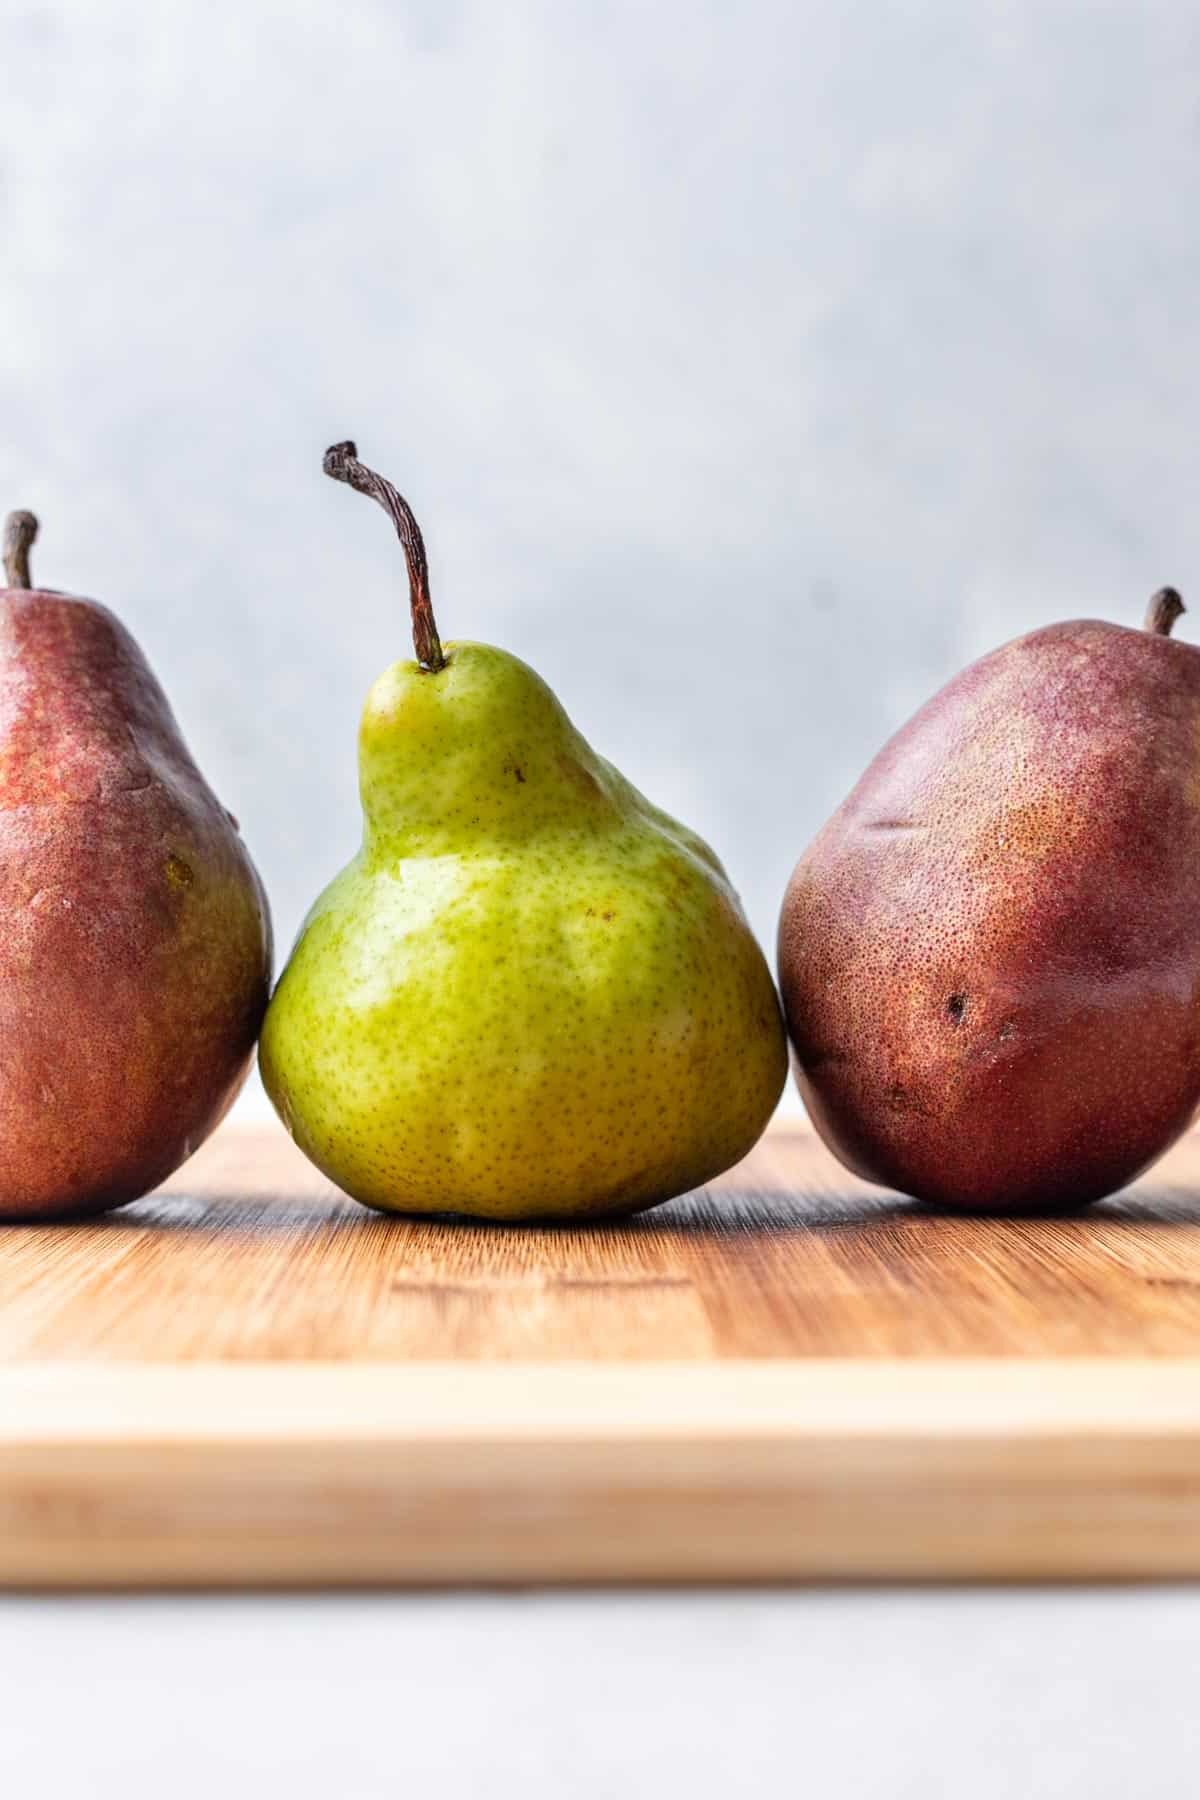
x=135 y=942
x=990 y=956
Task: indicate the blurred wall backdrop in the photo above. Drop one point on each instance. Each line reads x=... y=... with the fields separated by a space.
x=750 y=367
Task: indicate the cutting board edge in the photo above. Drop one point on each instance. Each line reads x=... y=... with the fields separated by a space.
x=331 y=1474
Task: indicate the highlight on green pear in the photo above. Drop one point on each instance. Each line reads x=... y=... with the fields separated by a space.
x=531 y=994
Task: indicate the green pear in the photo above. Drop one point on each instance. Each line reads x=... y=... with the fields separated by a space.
x=531 y=994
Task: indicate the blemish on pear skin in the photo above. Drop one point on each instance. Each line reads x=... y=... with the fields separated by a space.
x=283 y=1101
x=575 y=771
x=905 y=1099
x=179 y=873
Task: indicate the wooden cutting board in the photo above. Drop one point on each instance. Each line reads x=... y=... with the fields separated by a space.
x=249 y=1379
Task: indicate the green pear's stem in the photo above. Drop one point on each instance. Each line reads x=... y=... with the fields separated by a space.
x=1163 y=610
x=341 y=461
x=20 y=530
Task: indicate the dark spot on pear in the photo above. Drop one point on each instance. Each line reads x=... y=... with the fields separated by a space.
x=179 y=873
x=956 y=1006
x=904 y=1100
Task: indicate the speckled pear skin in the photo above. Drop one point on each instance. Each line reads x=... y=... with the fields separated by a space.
x=531 y=994
x=134 y=936
x=990 y=956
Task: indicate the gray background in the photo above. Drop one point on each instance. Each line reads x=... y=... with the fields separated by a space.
x=751 y=367
x=850 y=1695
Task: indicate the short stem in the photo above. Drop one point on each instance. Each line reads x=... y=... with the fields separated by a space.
x=20 y=530
x=341 y=461
x=1162 y=612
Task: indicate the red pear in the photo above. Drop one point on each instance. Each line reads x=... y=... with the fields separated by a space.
x=134 y=937
x=990 y=956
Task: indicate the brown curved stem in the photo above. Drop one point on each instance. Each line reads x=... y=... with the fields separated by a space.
x=20 y=530
x=1163 y=610
x=341 y=461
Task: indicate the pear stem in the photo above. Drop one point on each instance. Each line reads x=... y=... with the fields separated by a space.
x=1162 y=612
x=20 y=530
x=341 y=461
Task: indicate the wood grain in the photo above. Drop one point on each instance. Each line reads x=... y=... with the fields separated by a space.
x=249 y=1254
x=248 y=1379
x=279 y=1473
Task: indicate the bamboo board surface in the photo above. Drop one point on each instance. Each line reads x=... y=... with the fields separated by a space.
x=246 y=1378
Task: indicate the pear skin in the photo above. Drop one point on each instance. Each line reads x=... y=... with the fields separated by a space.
x=531 y=994
x=990 y=956
x=135 y=947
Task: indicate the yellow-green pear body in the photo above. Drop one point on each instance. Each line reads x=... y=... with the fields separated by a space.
x=531 y=994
